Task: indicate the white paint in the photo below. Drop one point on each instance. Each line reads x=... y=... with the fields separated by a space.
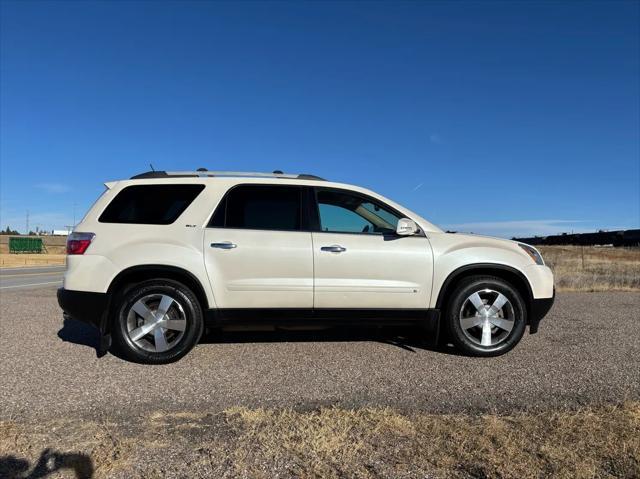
x=278 y=269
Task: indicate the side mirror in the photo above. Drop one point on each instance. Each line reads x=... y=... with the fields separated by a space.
x=406 y=227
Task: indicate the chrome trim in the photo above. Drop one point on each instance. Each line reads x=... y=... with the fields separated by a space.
x=224 y=245
x=333 y=248
x=487 y=317
x=156 y=323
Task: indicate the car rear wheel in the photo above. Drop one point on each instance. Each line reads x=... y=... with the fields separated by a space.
x=157 y=322
x=486 y=316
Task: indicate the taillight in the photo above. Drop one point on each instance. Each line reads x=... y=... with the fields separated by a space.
x=77 y=243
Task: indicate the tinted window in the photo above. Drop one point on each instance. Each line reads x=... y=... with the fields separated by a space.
x=342 y=212
x=150 y=204
x=261 y=207
x=342 y=220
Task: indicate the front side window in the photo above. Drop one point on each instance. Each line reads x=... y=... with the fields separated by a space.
x=342 y=212
x=261 y=207
x=150 y=204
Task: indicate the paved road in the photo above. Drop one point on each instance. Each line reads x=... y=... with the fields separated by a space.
x=587 y=351
x=39 y=276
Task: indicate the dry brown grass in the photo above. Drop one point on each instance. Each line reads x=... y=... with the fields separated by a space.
x=383 y=443
x=332 y=443
x=593 y=269
x=17 y=260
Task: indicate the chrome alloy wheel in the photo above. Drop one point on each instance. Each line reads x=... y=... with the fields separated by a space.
x=487 y=317
x=156 y=323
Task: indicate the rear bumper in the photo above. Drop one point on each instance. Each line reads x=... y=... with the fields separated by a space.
x=84 y=306
x=539 y=309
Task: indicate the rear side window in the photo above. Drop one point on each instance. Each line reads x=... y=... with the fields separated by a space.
x=150 y=204
x=261 y=207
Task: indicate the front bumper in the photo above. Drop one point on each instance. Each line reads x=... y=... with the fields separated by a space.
x=85 y=306
x=539 y=309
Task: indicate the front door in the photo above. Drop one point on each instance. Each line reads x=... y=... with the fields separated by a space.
x=255 y=251
x=359 y=260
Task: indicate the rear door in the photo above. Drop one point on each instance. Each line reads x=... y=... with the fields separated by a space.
x=256 y=251
x=360 y=262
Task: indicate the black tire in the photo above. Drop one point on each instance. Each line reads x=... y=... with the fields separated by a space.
x=462 y=292
x=185 y=307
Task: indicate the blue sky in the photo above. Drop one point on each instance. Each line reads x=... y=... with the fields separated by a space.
x=502 y=118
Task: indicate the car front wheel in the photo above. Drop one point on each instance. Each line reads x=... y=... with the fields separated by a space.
x=486 y=316
x=157 y=322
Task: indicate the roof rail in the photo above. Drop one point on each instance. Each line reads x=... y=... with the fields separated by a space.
x=205 y=173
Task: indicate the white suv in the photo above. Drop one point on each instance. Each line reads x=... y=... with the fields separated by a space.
x=163 y=255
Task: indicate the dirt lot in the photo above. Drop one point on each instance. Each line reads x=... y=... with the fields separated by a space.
x=349 y=403
x=564 y=403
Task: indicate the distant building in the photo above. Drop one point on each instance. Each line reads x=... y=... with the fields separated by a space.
x=60 y=233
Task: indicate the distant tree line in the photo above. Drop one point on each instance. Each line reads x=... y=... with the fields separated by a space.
x=9 y=231
x=615 y=238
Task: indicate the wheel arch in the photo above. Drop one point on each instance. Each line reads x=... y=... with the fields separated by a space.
x=507 y=273
x=158 y=271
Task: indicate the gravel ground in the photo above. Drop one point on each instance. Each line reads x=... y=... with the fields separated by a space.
x=587 y=352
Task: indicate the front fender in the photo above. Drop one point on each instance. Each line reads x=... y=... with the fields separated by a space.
x=457 y=254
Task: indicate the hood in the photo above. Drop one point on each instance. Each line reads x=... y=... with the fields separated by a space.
x=482 y=238
x=450 y=242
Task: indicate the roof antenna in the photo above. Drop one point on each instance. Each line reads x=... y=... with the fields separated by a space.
x=152 y=168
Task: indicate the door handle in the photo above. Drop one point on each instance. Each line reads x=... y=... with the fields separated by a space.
x=224 y=245
x=333 y=249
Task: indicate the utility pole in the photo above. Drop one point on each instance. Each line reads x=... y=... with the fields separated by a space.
x=74 y=213
x=27 y=231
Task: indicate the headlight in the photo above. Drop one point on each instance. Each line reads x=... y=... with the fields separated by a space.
x=531 y=251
